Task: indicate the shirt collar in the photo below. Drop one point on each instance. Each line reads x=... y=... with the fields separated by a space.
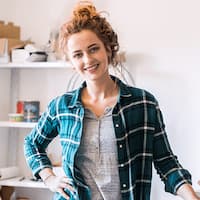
x=123 y=88
x=76 y=94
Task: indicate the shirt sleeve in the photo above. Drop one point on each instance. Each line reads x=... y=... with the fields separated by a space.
x=166 y=163
x=36 y=142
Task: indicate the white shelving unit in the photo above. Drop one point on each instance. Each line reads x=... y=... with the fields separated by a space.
x=22 y=182
x=48 y=65
x=15 y=127
x=17 y=124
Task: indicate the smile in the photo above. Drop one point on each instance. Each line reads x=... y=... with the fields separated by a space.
x=91 y=67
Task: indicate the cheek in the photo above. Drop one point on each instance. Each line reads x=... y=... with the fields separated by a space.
x=72 y=60
x=76 y=65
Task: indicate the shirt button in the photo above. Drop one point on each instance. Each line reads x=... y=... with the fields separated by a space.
x=117 y=125
x=120 y=146
x=124 y=185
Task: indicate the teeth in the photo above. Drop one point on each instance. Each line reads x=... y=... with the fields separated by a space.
x=90 y=68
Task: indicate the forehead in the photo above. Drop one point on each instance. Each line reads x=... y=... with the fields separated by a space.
x=82 y=40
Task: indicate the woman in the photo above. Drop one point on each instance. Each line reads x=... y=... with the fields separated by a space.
x=110 y=132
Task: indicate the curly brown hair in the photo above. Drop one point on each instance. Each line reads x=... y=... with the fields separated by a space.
x=86 y=17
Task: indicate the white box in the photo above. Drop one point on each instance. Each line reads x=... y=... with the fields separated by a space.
x=19 y=55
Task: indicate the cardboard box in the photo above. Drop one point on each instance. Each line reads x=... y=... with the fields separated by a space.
x=12 y=44
x=6 y=192
x=4 y=57
x=9 y=30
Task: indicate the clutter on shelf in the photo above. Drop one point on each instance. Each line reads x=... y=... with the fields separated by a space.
x=26 y=111
x=13 y=49
x=16 y=117
x=9 y=39
x=52 y=47
x=30 y=53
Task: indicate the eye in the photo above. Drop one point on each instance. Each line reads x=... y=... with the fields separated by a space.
x=77 y=55
x=94 y=49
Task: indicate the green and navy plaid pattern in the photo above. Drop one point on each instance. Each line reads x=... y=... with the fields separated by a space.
x=140 y=135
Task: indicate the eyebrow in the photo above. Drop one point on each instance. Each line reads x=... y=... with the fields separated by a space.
x=90 y=46
x=95 y=44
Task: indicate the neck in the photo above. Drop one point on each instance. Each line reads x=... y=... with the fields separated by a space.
x=101 y=90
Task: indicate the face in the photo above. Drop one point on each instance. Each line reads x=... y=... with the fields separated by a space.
x=88 y=55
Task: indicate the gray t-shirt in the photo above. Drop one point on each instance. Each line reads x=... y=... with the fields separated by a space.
x=97 y=156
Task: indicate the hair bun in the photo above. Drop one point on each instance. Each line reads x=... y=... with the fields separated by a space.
x=85 y=9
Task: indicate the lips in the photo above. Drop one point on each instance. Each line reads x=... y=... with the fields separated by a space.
x=91 y=68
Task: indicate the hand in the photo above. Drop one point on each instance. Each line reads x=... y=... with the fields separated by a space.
x=58 y=184
x=187 y=192
x=198 y=193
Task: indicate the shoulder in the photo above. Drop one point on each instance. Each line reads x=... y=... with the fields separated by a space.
x=142 y=93
x=137 y=94
x=63 y=102
x=62 y=99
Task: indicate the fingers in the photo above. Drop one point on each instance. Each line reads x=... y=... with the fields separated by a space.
x=58 y=184
x=61 y=191
x=64 y=183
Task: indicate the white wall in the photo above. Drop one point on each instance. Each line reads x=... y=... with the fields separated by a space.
x=162 y=41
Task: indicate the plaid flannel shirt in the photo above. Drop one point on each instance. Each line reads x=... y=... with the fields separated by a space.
x=140 y=135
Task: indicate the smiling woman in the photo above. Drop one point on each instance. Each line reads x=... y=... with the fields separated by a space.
x=110 y=132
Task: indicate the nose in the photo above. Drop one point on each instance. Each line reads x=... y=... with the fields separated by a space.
x=87 y=58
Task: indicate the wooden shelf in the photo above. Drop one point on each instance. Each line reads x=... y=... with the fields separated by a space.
x=21 y=182
x=59 y=64
x=17 y=124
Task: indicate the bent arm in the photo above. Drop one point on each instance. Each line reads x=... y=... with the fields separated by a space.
x=166 y=163
x=36 y=142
